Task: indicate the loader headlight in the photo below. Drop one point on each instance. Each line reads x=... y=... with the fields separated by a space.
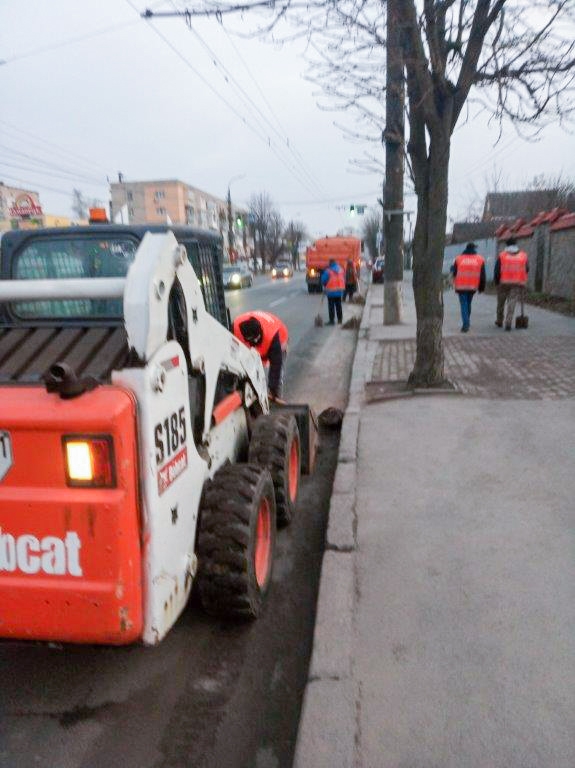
x=89 y=461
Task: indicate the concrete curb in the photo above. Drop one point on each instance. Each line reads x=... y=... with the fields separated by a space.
x=327 y=729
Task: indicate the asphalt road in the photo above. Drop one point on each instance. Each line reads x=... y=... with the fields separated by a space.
x=212 y=694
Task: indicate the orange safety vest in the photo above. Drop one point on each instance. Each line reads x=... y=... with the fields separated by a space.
x=468 y=271
x=336 y=280
x=513 y=268
x=270 y=326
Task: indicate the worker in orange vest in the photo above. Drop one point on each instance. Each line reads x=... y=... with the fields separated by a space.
x=333 y=281
x=269 y=336
x=468 y=276
x=351 y=280
x=510 y=277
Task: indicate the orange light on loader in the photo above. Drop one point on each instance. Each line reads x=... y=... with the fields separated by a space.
x=89 y=461
x=98 y=216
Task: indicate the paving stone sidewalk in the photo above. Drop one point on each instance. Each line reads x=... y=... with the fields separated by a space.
x=512 y=365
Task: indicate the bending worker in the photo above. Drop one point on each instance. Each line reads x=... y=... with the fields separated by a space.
x=333 y=281
x=469 y=276
x=269 y=336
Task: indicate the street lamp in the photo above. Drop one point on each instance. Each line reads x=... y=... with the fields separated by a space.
x=230 y=218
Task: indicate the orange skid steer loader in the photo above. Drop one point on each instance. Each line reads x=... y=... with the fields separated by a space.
x=138 y=453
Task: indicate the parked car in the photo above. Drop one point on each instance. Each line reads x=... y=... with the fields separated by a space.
x=377 y=270
x=237 y=276
x=282 y=269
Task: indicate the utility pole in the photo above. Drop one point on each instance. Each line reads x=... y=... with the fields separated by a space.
x=230 y=226
x=394 y=140
x=230 y=216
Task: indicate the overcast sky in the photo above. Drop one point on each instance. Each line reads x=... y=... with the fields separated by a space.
x=88 y=88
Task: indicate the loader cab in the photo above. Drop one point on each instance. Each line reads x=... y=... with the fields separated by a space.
x=88 y=334
x=105 y=250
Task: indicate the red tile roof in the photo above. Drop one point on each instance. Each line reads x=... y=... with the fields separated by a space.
x=557 y=218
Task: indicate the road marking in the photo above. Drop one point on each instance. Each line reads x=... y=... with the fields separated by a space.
x=278 y=301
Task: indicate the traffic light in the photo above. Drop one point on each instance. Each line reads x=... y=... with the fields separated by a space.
x=239 y=222
x=352 y=210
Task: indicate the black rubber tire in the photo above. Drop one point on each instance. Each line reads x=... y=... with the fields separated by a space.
x=270 y=446
x=226 y=547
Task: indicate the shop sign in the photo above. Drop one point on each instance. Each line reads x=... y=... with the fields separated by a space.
x=25 y=207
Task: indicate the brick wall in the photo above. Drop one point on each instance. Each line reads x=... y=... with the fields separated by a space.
x=549 y=241
x=560 y=276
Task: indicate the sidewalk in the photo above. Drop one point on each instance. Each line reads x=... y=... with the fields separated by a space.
x=445 y=631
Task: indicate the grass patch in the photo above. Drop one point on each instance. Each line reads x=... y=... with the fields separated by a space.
x=542 y=300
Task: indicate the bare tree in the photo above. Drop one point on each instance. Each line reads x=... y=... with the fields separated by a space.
x=295 y=233
x=515 y=58
x=260 y=211
x=369 y=231
x=513 y=54
x=79 y=204
x=562 y=189
x=275 y=244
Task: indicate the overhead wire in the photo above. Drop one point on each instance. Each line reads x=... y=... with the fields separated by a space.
x=27 y=183
x=348 y=195
x=55 y=174
x=50 y=166
x=66 y=173
x=249 y=124
x=281 y=133
x=14 y=133
x=65 y=43
x=52 y=145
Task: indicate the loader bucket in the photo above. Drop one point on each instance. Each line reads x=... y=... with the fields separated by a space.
x=307 y=424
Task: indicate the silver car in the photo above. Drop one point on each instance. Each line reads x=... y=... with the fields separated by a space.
x=237 y=276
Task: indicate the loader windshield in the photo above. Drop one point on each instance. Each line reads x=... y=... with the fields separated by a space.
x=73 y=257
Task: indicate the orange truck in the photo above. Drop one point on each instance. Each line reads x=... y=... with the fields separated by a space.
x=318 y=256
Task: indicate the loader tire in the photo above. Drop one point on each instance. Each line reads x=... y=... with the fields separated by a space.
x=275 y=444
x=236 y=541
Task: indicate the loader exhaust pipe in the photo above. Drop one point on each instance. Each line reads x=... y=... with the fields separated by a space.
x=62 y=379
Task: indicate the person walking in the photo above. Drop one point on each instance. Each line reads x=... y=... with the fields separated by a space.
x=333 y=281
x=351 y=280
x=510 y=277
x=468 y=277
x=269 y=336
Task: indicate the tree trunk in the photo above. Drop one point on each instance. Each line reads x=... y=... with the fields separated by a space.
x=394 y=152
x=428 y=248
x=261 y=239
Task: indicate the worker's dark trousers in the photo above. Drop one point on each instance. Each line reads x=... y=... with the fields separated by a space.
x=334 y=308
x=350 y=289
x=465 y=299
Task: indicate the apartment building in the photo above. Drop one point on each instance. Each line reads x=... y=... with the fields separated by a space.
x=173 y=201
